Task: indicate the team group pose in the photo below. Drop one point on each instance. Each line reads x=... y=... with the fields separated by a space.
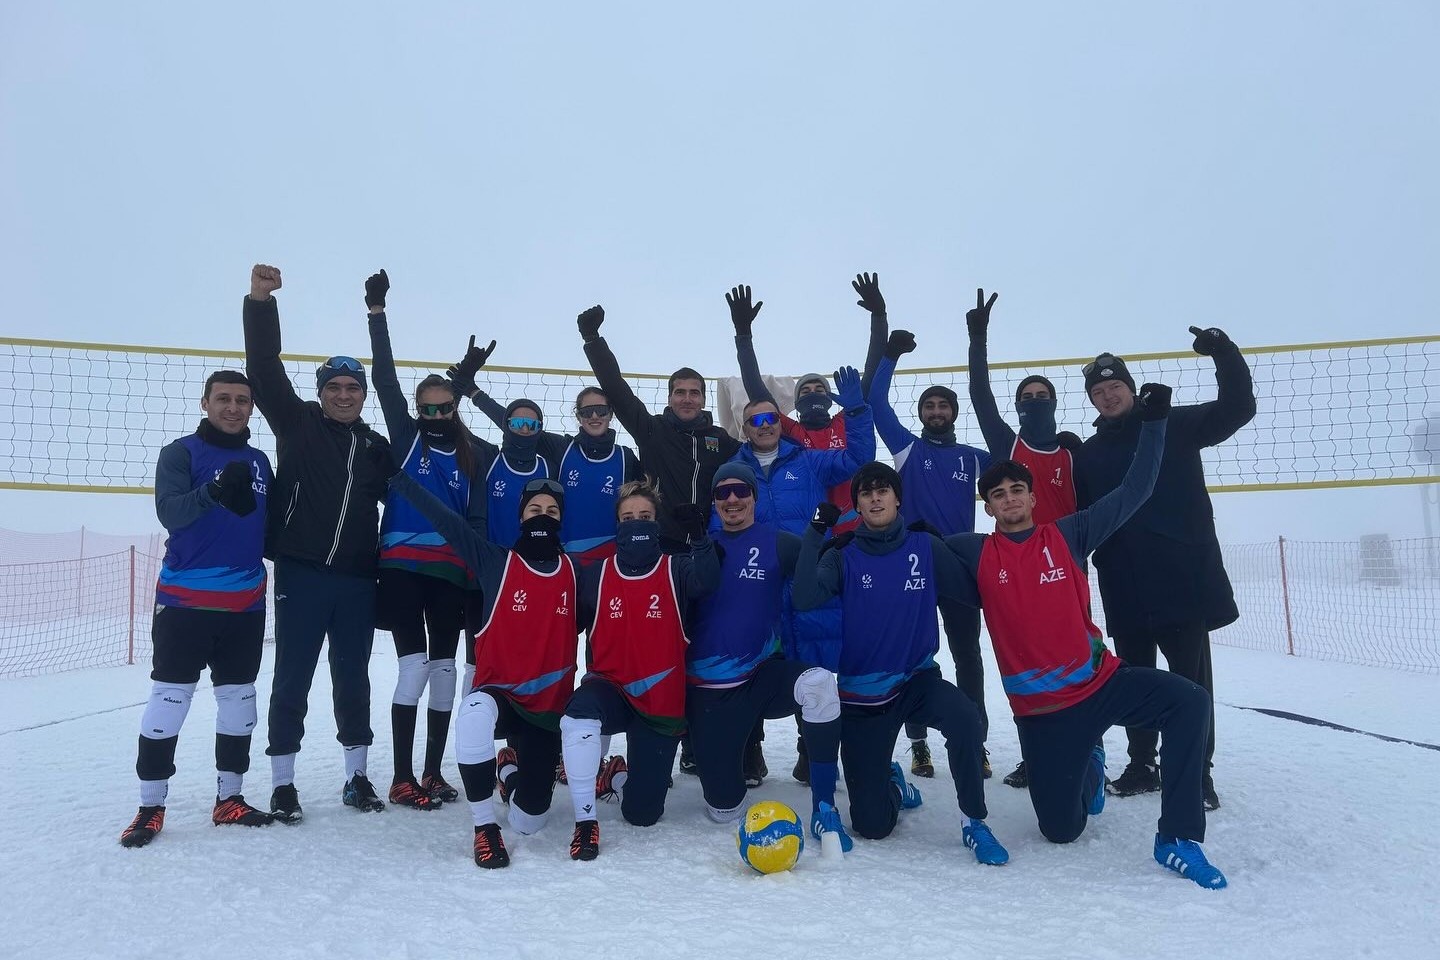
x=718 y=582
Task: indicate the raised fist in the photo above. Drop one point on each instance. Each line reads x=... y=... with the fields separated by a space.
x=826 y=516
x=376 y=286
x=900 y=343
x=264 y=280
x=589 y=322
x=231 y=488
x=691 y=519
x=1210 y=341
x=1154 y=401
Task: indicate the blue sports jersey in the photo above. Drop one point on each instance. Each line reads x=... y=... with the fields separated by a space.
x=890 y=630
x=407 y=540
x=939 y=484
x=734 y=629
x=215 y=562
x=590 y=486
x=503 y=485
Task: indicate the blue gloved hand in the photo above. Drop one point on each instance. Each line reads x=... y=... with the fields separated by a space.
x=847 y=388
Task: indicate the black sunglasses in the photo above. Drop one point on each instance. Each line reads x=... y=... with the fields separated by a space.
x=1104 y=360
x=545 y=485
x=739 y=491
x=343 y=363
x=434 y=409
x=594 y=411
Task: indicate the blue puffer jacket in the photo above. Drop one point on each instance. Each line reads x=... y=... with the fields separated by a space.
x=800 y=478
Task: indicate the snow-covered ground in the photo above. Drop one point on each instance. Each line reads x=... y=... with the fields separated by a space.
x=1329 y=840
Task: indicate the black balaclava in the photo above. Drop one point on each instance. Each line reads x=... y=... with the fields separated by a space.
x=441 y=431
x=520 y=451
x=813 y=409
x=539 y=538
x=637 y=543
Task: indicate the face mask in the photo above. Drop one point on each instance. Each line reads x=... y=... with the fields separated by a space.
x=637 y=543
x=813 y=409
x=439 y=429
x=539 y=538
x=1037 y=420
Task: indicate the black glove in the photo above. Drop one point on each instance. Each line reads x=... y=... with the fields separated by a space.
x=900 y=343
x=1154 y=401
x=462 y=374
x=375 y=289
x=232 y=489
x=742 y=314
x=381 y=456
x=589 y=322
x=826 y=516
x=978 y=320
x=691 y=520
x=1211 y=341
x=1068 y=441
x=867 y=285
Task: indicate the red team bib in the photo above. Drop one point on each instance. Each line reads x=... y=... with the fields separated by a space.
x=829 y=437
x=1036 y=600
x=1054 y=485
x=526 y=649
x=638 y=643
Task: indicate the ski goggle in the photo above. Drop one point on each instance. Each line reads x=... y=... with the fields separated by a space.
x=437 y=409
x=767 y=419
x=343 y=363
x=737 y=491
x=524 y=423
x=1104 y=360
x=544 y=485
x=595 y=411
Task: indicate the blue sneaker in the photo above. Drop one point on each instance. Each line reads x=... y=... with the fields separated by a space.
x=909 y=795
x=1097 y=801
x=987 y=849
x=1187 y=859
x=827 y=820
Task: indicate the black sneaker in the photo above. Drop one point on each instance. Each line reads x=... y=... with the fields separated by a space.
x=1136 y=779
x=235 y=810
x=490 y=851
x=585 y=842
x=1212 y=799
x=921 y=763
x=754 y=766
x=687 y=758
x=285 y=804
x=1019 y=777
x=435 y=785
x=147 y=823
x=360 y=794
x=802 y=762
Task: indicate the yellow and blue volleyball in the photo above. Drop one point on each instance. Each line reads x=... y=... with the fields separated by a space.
x=771 y=837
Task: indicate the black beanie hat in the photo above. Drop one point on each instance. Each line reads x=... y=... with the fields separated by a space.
x=945 y=393
x=340 y=367
x=514 y=405
x=1107 y=367
x=1036 y=378
x=872 y=472
x=540 y=485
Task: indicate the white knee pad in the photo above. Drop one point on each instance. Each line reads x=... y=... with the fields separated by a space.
x=411 y=681
x=442 y=685
x=235 y=714
x=575 y=731
x=166 y=710
x=818 y=695
x=527 y=824
x=475 y=728
x=724 y=816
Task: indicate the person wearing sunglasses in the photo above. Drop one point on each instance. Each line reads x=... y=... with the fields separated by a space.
x=736 y=680
x=681 y=447
x=1047 y=454
x=421 y=593
x=1162 y=575
x=323 y=537
x=939 y=474
x=591 y=464
x=890 y=577
x=211 y=491
x=1065 y=688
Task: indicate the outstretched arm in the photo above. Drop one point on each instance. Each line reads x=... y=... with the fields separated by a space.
x=482 y=557
x=867 y=285
x=999 y=438
x=629 y=409
x=398 y=422
x=838 y=466
x=274 y=396
x=1086 y=530
x=817 y=578
x=1234 y=403
x=742 y=315
x=894 y=435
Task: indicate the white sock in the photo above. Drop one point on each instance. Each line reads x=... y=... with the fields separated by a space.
x=502 y=772
x=580 y=745
x=482 y=811
x=282 y=770
x=227 y=784
x=604 y=745
x=355 y=760
x=152 y=792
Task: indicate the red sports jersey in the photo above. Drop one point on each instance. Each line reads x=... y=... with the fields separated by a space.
x=1037 y=600
x=1054 y=473
x=638 y=643
x=526 y=649
x=829 y=437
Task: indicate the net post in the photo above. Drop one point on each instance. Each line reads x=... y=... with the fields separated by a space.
x=130 y=655
x=1285 y=594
